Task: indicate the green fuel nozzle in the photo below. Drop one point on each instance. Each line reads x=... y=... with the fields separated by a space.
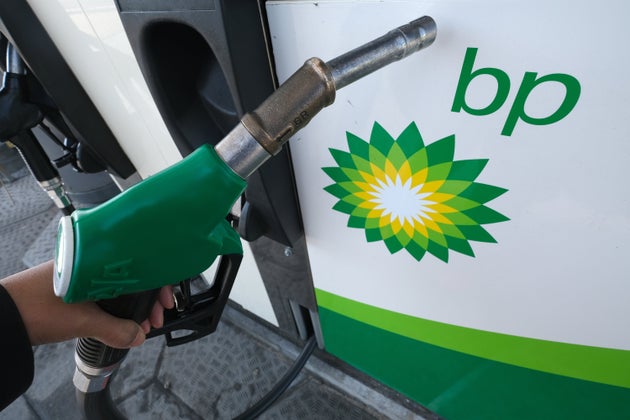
x=172 y=225
x=168 y=227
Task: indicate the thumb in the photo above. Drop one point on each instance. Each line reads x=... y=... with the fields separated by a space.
x=122 y=334
x=115 y=332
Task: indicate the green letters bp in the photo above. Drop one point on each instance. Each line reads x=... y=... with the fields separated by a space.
x=517 y=112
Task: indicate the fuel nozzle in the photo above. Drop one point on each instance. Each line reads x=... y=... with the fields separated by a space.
x=262 y=133
x=157 y=233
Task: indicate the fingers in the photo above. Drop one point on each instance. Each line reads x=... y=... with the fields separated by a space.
x=166 y=297
x=113 y=331
x=121 y=333
x=156 y=318
x=146 y=326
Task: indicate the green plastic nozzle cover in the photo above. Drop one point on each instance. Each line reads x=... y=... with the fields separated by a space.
x=167 y=228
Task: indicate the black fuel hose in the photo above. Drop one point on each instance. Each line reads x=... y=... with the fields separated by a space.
x=265 y=402
x=98 y=405
x=93 y=355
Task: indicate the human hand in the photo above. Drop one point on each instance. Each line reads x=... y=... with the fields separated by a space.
x=156 y=318
x=48 y=319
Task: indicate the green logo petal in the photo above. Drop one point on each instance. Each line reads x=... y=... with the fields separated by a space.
x=411 y=195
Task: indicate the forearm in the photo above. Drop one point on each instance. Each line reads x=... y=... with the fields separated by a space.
x=28 y=289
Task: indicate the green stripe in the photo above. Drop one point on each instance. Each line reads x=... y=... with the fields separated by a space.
x=607 y=366
x=459 y=386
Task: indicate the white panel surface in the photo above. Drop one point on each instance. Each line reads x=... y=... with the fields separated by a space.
x=560 y=269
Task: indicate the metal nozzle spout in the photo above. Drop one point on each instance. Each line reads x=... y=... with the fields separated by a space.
x=393 y=46
x=262 y=133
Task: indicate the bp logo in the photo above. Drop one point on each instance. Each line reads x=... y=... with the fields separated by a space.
x=411 y=195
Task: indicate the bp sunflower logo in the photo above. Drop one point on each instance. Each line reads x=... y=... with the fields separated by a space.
x=411 y=195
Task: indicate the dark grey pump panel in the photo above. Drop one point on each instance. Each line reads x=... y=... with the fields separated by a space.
x=206 y=64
